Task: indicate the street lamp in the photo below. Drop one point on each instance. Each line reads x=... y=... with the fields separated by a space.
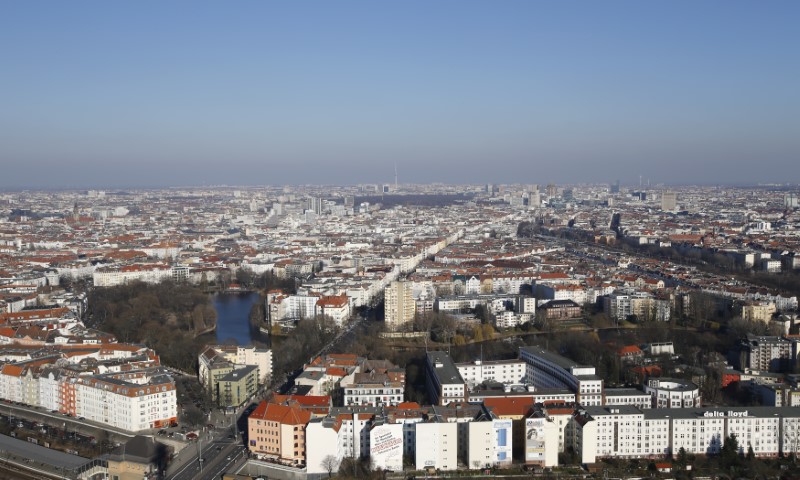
x=200 y=452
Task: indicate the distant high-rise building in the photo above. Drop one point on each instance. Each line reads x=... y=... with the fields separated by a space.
x=615 y=187
x=399 y=305
x=315 y=205
x=349 y=201
x=790 y=200
x=669 y=201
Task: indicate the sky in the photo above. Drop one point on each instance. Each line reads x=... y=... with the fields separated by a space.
x=154 y=93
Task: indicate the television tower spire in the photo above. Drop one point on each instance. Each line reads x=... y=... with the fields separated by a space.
x=395 y=176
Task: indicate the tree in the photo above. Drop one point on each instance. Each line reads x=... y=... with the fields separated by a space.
x=329 y=463
x=729 y=455
x=682 y=459
x=481 y=313
x=488 y=332
x=194 y=417
x=477 y=334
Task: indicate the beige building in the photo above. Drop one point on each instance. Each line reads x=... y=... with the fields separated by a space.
x=278 y=432
x=669 y=201
x=758 y=312
x=399 y=304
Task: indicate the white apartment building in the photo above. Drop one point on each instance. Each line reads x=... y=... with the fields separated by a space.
x=386 y=446
x=502 y=371
x=436 y=445
x=381 y=391
x=488 y=443
x=260 y=357
x=126 y=401
x=323 y=441
x=50 y=390
x=627 y=432
x=337 y=308
x=628 y=396
x=120 y=275
x=672 y=393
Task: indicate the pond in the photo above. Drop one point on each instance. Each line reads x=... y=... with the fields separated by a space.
x=233 y=316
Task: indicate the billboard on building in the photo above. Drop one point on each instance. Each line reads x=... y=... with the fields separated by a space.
x=534 y=440
x=503 y=436
x=386 y=447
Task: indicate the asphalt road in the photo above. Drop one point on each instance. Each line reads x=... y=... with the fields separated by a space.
x=219 y=455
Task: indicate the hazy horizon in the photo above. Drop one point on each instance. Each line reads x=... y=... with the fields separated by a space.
x=149 y=95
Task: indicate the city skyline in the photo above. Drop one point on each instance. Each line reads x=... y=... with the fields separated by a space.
x=150 y=95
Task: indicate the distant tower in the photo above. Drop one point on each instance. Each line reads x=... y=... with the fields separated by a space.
x=395 y=176
x=790 y=200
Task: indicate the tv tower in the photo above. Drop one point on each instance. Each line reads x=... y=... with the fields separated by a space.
x=395 y=176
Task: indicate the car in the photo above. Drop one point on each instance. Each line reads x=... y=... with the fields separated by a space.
x=81 y=418
x=228 y=458
x=210 y=425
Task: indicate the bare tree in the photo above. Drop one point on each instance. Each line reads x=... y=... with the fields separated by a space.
x=330 y=464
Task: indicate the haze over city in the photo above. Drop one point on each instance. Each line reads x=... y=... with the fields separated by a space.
x=388 y=240
x=186 y=93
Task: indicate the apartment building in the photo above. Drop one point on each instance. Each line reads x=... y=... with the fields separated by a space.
x=400 y=306
x=502 y=371
x=278 y=432
x=628 y=432
x=673 y=393
x=120 y=275
x=130 y=401
x=549 y=370
x=443 y=380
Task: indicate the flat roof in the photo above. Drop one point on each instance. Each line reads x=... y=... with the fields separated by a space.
x=562 y=362
x=40 y=454
x=447 y=373
x=624 y=392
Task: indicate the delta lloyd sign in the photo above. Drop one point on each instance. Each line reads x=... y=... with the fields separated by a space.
x=729 y=413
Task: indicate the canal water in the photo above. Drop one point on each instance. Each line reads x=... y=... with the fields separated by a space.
x=233 y=317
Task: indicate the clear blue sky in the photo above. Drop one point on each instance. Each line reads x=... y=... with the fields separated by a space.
x=154 y=93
